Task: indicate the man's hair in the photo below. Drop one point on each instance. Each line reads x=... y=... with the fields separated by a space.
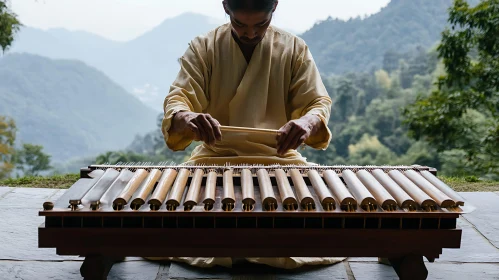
x=251 y=5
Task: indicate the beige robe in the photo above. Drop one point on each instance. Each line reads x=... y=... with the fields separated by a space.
x=280 y=83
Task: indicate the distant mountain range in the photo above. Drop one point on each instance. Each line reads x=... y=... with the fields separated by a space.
x=71 y=109
x=89 y=101
x=358 y=45
x=145 y=66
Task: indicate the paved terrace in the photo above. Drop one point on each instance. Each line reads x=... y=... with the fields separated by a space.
x=20 y=258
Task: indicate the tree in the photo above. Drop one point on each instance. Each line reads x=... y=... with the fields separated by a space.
x=7 y=140
x=9 y=25
x=470 y=52
x=31 y=160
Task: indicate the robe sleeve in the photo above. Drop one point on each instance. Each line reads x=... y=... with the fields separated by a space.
x=187 y=93
x=308 y=96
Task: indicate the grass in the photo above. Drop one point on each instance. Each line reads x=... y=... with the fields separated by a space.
x=460 y=184
x=471 y=184
x=50 y=182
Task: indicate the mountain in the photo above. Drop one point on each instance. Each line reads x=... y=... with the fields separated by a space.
x=359 y=44
x=68 y=107
x=145 y=66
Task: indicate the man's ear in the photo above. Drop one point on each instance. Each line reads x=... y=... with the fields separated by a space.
x=275 y=6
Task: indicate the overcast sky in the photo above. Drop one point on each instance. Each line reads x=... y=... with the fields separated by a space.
x=126 y=19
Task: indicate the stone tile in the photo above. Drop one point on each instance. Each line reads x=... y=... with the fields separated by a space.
x=447 y=271
x=258 y=271
x=26 y=198
x=4 y=190
x=29 y=270
x=33 y=270
x=134 y=270
x=474 y=247
x=19 y=236
x=164 y=271
x=358 y=259
x=56 y=195
x=485 y=217
x=185 y=271
x=372 y=271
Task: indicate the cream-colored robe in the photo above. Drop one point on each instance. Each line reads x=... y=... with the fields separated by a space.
x=280 y=83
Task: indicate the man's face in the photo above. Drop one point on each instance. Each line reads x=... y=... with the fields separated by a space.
x=250 y=27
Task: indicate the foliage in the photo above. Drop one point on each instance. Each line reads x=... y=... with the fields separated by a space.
x=31 y=160
x=358 y=45
x=7 y=140
x=50 y=182
x=9 y=25
x=462 y=115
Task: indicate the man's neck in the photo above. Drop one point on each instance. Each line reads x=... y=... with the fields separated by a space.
x=247 y=50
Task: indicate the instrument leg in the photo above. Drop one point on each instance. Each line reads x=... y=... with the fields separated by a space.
x=410 y=267
x=97 y=267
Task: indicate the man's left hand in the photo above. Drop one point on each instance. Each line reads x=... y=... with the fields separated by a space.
x=295 y=132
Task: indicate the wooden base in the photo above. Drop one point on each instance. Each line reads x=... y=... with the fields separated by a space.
x=403 y=248
x=97 y=267
x=410 y=267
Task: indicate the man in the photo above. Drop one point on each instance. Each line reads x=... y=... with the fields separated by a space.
x=248 y=74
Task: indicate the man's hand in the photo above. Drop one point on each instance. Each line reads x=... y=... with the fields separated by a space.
x=295 y=132
x=204 y=126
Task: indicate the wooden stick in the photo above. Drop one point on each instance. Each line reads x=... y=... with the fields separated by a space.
x=248 y=130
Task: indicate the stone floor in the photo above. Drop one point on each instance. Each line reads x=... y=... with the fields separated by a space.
x=20 y=257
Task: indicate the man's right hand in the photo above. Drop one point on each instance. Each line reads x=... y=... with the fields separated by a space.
x=204 y=126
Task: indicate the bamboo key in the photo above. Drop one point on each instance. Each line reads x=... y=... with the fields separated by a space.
x=164 y=185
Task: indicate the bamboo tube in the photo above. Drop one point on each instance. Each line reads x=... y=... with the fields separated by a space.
x=229 y=199
x=140 y=196
x=192 y=197
x=288 y=198
x=165 y=183
x=122 y=200
x=304 y=196
x=443 y=188
x=210 y=190
x=325 y=196
x=345 y=199
x=248 y=191
x=269 y=202
x=94 y=195
x=416 y=193
x=438 y=196
x=359 y=191
x=382 y=196
x=402 y=198
x=175 y=195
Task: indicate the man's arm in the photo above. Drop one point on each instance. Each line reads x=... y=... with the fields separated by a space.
x=184 y=121
x=310 y=108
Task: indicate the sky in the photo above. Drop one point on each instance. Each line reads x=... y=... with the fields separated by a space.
x=123 y=20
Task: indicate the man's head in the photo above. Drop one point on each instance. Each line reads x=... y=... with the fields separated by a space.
x=250 y=18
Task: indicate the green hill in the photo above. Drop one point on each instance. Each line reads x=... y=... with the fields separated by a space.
x=68 y=107
x=359 y=44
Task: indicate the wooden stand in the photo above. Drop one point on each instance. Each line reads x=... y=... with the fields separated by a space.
x=404 y=248
x=97 y=267
x=410 y=267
